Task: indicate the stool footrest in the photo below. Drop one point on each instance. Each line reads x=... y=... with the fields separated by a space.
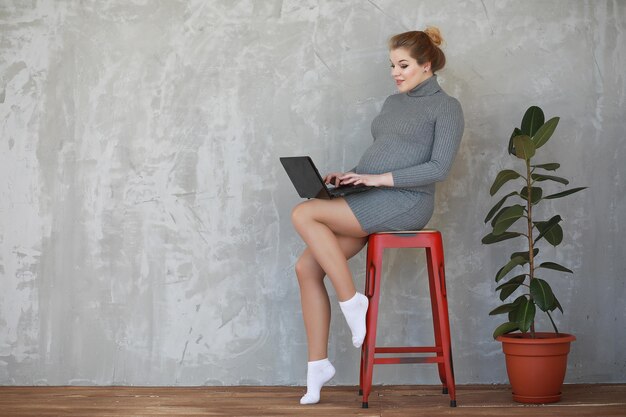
x=395 y=361
x=409 y=349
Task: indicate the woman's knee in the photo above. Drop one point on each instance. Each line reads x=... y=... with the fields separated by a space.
x=301 y=213
x=308 y=269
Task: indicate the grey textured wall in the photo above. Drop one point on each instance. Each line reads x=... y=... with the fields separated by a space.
x=144 y=218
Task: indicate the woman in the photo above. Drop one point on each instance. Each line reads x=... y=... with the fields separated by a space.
x=416 y=136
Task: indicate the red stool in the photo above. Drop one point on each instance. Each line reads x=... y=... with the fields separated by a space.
x=432 y=242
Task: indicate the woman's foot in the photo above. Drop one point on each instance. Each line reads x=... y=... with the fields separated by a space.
x=354 y=311
x=318 y=373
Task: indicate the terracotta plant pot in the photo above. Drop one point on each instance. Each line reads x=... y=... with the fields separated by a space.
x=536 y=367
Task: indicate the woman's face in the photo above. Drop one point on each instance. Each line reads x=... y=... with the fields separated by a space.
x=406 y=71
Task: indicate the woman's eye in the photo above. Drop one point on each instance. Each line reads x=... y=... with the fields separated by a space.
x=403 y=66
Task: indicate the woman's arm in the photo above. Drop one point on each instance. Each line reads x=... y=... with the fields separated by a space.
x=448 y=132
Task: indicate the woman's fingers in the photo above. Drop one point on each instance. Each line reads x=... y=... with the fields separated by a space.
x=332 y=178
x=349 y=181
x=349 y=178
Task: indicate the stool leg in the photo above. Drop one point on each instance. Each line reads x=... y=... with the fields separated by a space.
x=361 y=369
x=444 y=322
x=432 y=284
x=367 y=294
x=374 y=267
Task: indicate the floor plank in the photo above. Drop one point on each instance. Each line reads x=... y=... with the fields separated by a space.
x=605 y=400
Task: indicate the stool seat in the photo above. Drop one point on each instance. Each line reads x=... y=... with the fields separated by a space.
x=441 y=353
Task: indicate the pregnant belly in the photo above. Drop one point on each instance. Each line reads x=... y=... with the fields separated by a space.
x=390 y=154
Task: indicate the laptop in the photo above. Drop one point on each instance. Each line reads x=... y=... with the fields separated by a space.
x=310 y=184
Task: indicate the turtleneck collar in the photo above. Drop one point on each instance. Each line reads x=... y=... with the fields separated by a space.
x=427 y=87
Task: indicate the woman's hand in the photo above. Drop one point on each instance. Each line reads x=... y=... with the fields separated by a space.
x=381 y=180
x=333 y=178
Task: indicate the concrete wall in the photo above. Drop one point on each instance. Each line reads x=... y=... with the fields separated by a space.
x=144 y=218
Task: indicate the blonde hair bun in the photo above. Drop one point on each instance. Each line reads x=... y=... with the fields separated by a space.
x=434 y=34
x=423 y=46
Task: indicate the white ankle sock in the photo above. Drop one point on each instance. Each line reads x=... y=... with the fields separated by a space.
x=318 y=373
x=354 y=311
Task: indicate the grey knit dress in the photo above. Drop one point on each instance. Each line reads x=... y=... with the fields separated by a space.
x=416 y=137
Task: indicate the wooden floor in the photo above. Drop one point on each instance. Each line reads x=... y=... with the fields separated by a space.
x=478 y=400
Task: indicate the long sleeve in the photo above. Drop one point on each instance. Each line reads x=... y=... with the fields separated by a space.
x=448 y=131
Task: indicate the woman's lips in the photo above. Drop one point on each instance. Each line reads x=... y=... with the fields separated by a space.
x=398 y=82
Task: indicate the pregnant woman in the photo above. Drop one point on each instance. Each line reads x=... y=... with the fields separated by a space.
x=416 y=137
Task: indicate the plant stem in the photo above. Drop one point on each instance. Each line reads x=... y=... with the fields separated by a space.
x=529 y=210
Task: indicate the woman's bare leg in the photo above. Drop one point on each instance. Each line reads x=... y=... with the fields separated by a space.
x=325 y=225
x=319 y=223
x=316 y=314
x=314 y=298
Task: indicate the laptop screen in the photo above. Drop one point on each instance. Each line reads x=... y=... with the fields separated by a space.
x=305 y=177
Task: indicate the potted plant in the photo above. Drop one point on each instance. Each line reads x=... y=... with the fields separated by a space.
x=536 y=361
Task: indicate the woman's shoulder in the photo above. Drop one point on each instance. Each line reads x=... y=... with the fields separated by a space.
x=447 y=103
x=391 y=102
x=393 y=97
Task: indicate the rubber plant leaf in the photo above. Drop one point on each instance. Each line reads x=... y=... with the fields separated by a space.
x=518 y=260
x=552 y=166
x=533 y=119
x=502 y=178
x=545 y=132
x=505 y=328
x=535 y=194
x=510 y=286
x=555 y=266
x=524 y=147
x=541 y=177
x=491 y=238
x=542 y=294
x=495 y=208
x=525 y=315
x=506 y=219
x=564 y=193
